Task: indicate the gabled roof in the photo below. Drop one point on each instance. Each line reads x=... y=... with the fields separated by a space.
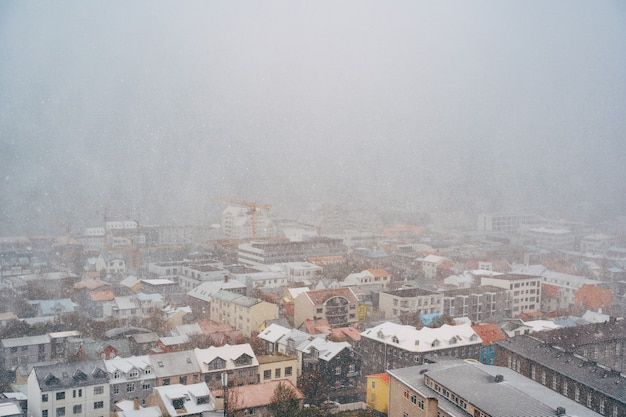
x=174 y=363
x=424 y=340
x=319 y=297
x=229 y=353
x=489 y=333
x=91 y=284
x=189 y=395
x=273 y=333
x=74 y=374
x=106 y=295
x=125 y=365
x=327 y=349
x=52 y=307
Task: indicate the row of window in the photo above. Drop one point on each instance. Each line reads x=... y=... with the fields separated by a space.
x=99 y=390
x=76 y=409
x=267 y=374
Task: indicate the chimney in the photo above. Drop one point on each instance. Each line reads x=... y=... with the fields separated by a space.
x=560 y=411
x=499 y=378
x=136 y=403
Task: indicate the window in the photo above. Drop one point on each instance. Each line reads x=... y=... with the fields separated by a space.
x=116 y=389
x=288 y=371
x=98 y=404
x=44 y=398
x=130 y=387
x=146 y=385
x=117 y=374
x=77 y=409
x=44 y=413
x=166 y=381
x=414 y=398
x=420 y=404
x=241 y=373
x=338 y=370
x=182 y=380
x=133 y=374
x=277 y=373
x=373 y=384
x=61 y=395
x=60 y=411
x=98 y=390
x=588 y=400
x=77 y=393
x=267 y=374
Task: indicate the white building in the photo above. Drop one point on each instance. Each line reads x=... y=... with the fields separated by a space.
x=77 y=388
x=524 y=292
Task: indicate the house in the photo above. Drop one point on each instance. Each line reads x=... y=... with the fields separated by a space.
x=277 y=367
x=142 y=343
x=168 y=344
x=221 y=333
x=468 y=388
x=130 y=378
x=24 y=351
x=489 y=333
x=369 y=276
x=239 y=361
x=50 y=308
x=199 y=298
x=338 y=306
x=377 y=393
x=10 y=409
x=255 y=399
x=112 y=264
x=244 y=313
x=75 y=388
x=434 y=266
x=127 y=408
x=390 y=345
x=338 y=364
x=182 y=400
x=175 y=368
x=122 y=308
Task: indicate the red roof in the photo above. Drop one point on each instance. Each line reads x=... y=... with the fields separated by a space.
x=379 y=272
x=91 y=284
x=489 y=333
x=384 y=376
x=258 y=395
x=106 y=295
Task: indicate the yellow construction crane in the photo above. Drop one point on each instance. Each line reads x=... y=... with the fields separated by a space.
x=253 y=208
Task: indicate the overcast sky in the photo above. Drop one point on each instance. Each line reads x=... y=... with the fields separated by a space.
x=156 y=108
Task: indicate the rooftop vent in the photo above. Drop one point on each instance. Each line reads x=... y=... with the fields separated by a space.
x=560 y=411
x=499 y=378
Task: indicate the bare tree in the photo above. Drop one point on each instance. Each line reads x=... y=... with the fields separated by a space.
x=285 y=402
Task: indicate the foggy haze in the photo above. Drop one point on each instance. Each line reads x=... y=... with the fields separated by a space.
x=157 y=108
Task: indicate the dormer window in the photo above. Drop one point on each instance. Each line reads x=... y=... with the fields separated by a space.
x=148 y=371
x=452 y=341
x=117 y=374
x=395 y=339
x=134 y=373
x=243 y=360
x=435 y=343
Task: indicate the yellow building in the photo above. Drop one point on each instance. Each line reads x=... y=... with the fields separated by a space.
x=277 y=367
x=243 y=313
x=377 y=392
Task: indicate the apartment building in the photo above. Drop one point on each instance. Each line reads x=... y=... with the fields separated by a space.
x=458 y=388
x=271 y=252
x=24 y=351
x=390 y=345
x=409 y=300
x=130 y=378
x=246 y=314
x=338 y=306
x=76 y=388
x=556 y=366
x=238 y=361
x=476 y=303
x=524 y=292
